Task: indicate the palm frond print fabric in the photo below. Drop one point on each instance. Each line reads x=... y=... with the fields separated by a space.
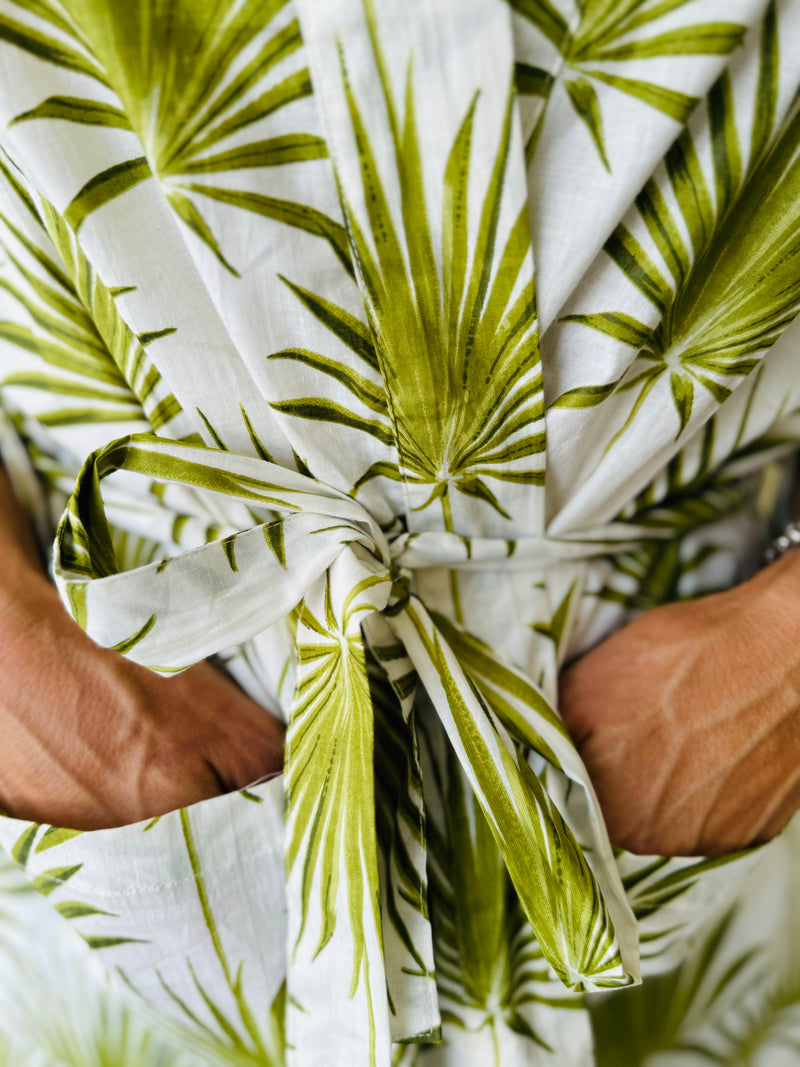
x=393 y=354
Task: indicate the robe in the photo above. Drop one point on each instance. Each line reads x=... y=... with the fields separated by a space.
x=393 y=353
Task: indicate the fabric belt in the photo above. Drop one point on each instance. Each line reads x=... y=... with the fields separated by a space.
x=325 y=559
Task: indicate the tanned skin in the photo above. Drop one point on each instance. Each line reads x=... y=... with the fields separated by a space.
x=688 y=719
x=89 y=740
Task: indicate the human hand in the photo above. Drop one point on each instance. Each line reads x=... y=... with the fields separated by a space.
x=92 y=740
x=688 y=719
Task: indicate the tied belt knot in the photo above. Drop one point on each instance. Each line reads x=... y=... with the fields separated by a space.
x=352 y=582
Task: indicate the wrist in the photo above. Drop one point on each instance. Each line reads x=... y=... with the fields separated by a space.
x=771 y=608
x=26 y=596
x=783 y=574
x=18 y=544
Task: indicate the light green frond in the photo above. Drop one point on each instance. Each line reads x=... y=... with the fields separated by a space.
x=544 y=16
x=767 y=91
x=322 y=410
x=488 y=964
x=630 y=256
x=401 y=823
x=623 y=327
x=51 y=49
x=585 y=396
x=240 y=1031
x=556 y=888
x=702 y=39
x=104 y=187
x=370 y=394
x=350 y=330
x=736 y=286
x=76 y=109
x=78 y=331
x=184 y=110
x=271 y=152
x=47 y=881
x=583 y=97
x=722 y=1005
x=616 y=32
x=301 y=216
x=511 y=696
x=532 y=81
x=54 y=836
x=691 y=191
x=331 y=851
x=186 y=210
x=435 y=333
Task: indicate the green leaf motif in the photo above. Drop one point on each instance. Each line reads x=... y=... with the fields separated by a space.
x=624 y=328
x=736 y=286
x=703 y=39
x=187 y=210
x=78 y=334
x=130 y=642
x=105 y=186
x=76 y=909
x=77 y=109
x=584 y=100
x=435 y=334
x=489 y=967
x=54 y=836
x=243 y=1034
x=21 y=849
x=556 y=888
x=584 y=396
x=333 y=679
x=532 y=81
x=331 y=852
x=47 y=48
x=184 y=112
x=672 y=102
x=618 y=32
x=400 y=824
x=546 y=17
x=56 y=877
x=98 y=942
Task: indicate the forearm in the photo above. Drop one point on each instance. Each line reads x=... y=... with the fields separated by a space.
x=89 y=739
x=688 y=718
x=19 y=556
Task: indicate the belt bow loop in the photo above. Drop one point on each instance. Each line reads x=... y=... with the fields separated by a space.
x=358 y=928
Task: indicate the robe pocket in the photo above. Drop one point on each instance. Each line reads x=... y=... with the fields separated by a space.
x=188 y=909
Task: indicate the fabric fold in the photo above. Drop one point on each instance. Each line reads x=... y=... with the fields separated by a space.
x=226 y=592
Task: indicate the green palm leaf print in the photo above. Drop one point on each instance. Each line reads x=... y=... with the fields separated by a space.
x=180 y=87
x=314 y=786
x=82 y=351
x=489 y=968
x=331 y=851
x=52 y=881
x=734 y=286
x=558 y=890
x=609 y=34
x=400 y=821
x=436 y=336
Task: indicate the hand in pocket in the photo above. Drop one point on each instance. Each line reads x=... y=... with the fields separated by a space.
x=688 y=719
x=91 y=740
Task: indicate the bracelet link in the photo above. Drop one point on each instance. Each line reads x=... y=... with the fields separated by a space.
x=789 y=538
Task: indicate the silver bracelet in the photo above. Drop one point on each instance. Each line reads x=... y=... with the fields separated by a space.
x=789 y=538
